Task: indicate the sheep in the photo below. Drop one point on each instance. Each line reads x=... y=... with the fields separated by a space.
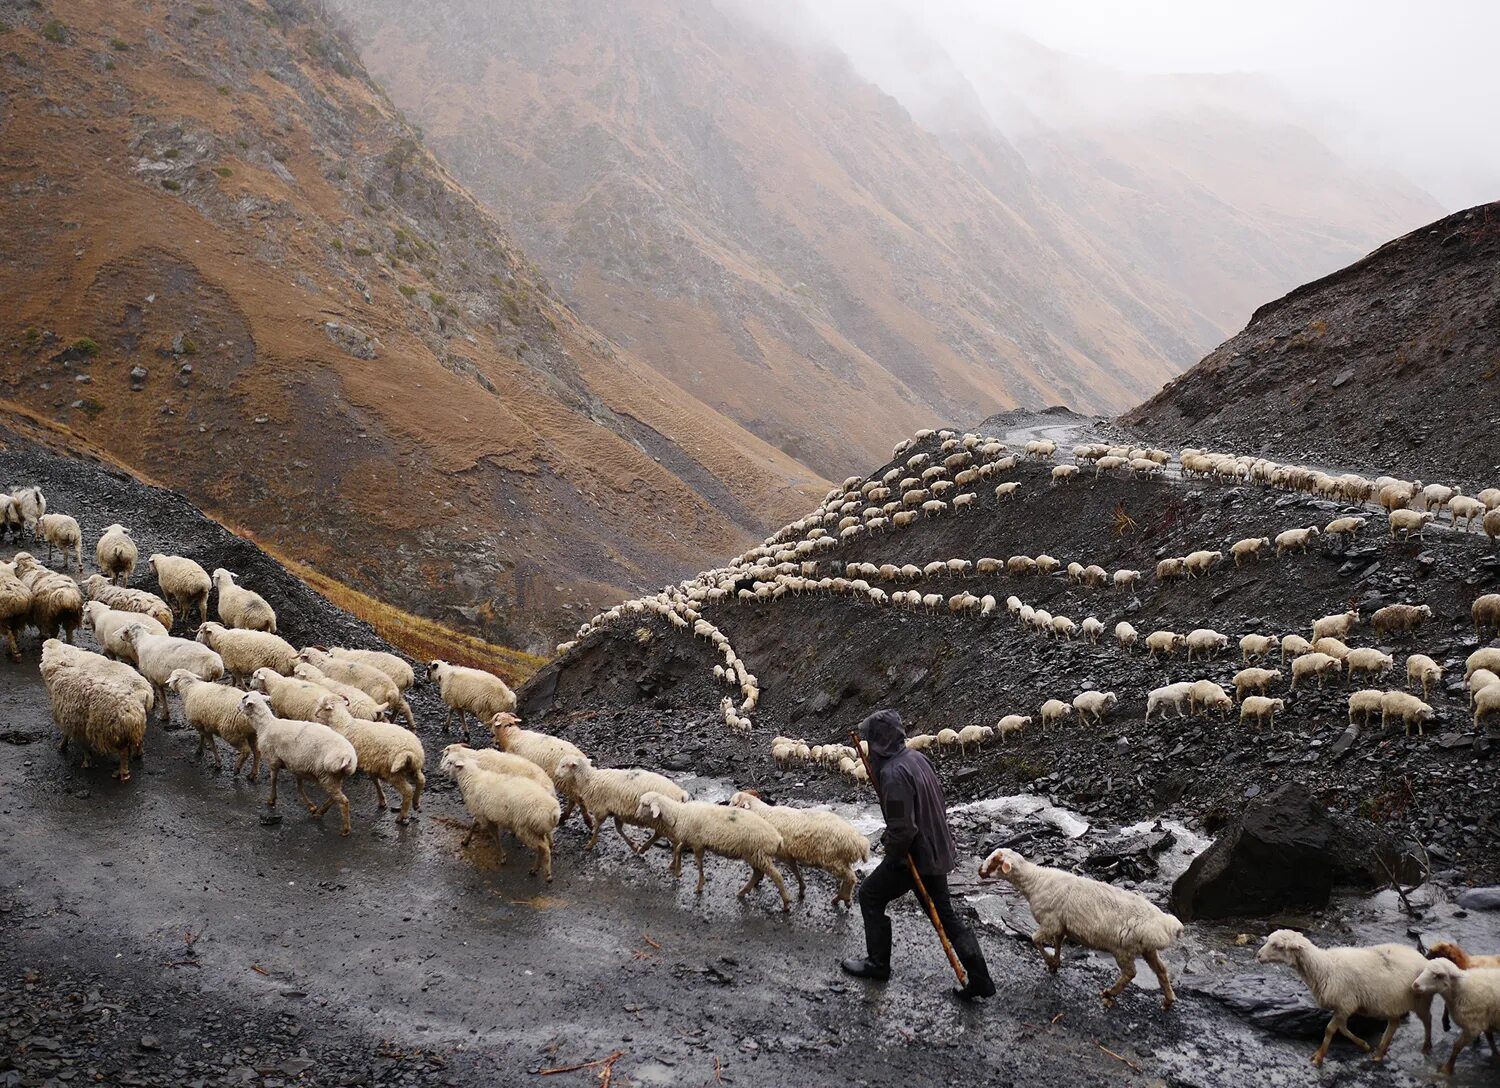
x=56 y=602
x=1462 y=508
x=1448 y=950
x=1163 y=642
x=27 y=505
x=1478 y=681
x=1012 y=723
x=614 y=793
x=1006 y=490
x=298 y=696
x=108 y=624
x=730 y=832
x=1249 y=548
x=1490 y=496
x=1363 y=703
x=1254 y=680
x=505 y=802
x=1491 y=525
x=1486 y=657
x=1340 y=528
x=547 y=752
x=367 y=678
x=1260 y=710
x=15 y=609
x=813 y=837
x=384 y=751
x=1054 y=710
x=1043 y=449
x=1095 y=575
x=1410 y=709
x=1395 y=495
x=1169 y=569
x=183 y=582
x=1486 y=702
x=1407 y=522
x=1092 y=629
x=1126 y=579
x=497 y=762
x=158 y=656
x=93 y=704
x=1316 y=664
x=1485 y=612
x=1126 y=635
x=245 y=651
x=1337 y=626
x=1020 y=565
x=1205 y=642
x=1399 y=618
x=1257 y=647
x=1365 y=659
x=1295 y=540
x=1094 y=704
x=1045 y=564
x=116 y=554
x=1294 y=646
x=61 y=534
x=1093 y=914
x=1471 y=997
x=1376 y=981
x=470 y=691
x=1171 y=695
x=241 y=607
x=1200 y=562
x=1064 y=628
x=1207 y=695
x=98 y=588
x=973 y=734
x=1422 y=669
x=214 y=710
x=308 y=749
x=947 y=738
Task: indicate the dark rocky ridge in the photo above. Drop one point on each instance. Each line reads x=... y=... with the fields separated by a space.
x=1392 y=363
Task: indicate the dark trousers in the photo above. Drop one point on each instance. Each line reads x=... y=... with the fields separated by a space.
x=890 y=881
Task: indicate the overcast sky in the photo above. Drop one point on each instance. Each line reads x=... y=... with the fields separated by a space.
x=1412 y=86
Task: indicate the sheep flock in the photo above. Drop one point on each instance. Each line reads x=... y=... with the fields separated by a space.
x=326 y=714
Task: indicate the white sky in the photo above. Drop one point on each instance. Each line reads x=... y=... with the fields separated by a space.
x=1408 y=85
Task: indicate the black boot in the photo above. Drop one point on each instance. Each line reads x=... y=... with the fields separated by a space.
x=871 y=969
x=979 y=982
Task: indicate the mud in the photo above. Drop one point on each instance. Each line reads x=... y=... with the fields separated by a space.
x=164 y=932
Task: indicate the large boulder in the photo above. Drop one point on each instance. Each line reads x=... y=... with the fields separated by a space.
x=1286 y=851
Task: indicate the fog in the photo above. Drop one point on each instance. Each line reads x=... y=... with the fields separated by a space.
x=1393 y=85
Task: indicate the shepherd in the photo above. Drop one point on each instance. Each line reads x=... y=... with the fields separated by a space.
x=916 y=828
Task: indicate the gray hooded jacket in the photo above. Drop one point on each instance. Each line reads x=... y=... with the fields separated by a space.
x=916 y=813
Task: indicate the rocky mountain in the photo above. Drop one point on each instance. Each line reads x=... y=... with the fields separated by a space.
x=830 y=264
x=1392 y=362
x=232 y=264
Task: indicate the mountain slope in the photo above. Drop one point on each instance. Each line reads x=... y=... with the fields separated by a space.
x=246 y=278
x=1392 y=362
x=824 y=263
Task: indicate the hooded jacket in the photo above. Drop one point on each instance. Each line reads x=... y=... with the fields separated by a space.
x=916 y=813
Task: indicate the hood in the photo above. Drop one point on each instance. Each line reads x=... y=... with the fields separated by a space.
x=886 y=734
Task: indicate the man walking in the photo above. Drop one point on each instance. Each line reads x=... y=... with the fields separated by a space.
x=916 y=826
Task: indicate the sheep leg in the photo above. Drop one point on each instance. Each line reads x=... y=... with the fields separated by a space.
x=594 y=826
x=421 y=784
x=1153 y=961
x=15 y=644
x=380 y=805
x=1464 y=1039
x=786 y=899
x=801 y=886
x=544 y=859
x=448 y=721
x=1335 y=1025
x=404 y=788
x=620 y=827
x=275 y=773
x=846 y=888
x=676 y=866
x=500 y=843
x=473 y=825
x=649 y=843
x=302 y=793
x=1127 y=974
x=335 y=790
x=1385 y=1040
x=1053 y=959
x=698 y=854
x=411 y=720
x=1424 y=1014
x=123 y=773
x=751 y=884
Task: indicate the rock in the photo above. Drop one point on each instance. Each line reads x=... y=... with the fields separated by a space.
x=1277 y=1003
x=1285 y=851
x=1342 y=378
x=138 y=376
x=150 y=1042
x=1480 y=898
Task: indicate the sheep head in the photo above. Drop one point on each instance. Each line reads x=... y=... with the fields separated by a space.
x=1440 y=976
x=1003 y=863
x=1283 y=946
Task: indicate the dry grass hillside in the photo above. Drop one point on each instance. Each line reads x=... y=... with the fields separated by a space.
x=231 y=263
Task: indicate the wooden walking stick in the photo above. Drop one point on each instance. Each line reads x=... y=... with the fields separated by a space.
x=911 y=866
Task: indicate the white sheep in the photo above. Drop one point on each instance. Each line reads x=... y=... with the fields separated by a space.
x=116 y=553
x=1260 y=710
x=505 y=802
x=1053 y=710
x=1207 y=695
x=157 y=657
x=470 y=691
x=395 y=667
x=372 y=681
x=1423 y=670
x=1094 y=704
x=93 y=704
x=385 y=751
x=27 y=505
x=1169 y=695
x=214 y=710
x=1093 y=914
x=1407 y=707
x=1249 y=548
x=546 y=751
x=61 y=534
x=108 y=624
x=1163 y=642
x=1486 y=657
x=56 y=603
x=1337 y=626
x=1485 y=612
x=1012 y=723
x=729 y=832
x=1205 y=643
x=241 y=607
x=1368 y=660
x=15 y=609
x=1471 y=997
x=183 y=582
x=1255 y=680
x=1406 y=522
x=1126 y=635
x=1257 y=647
x=1315 y=664
x=124 y=599
x=1200 y=562
x=498 y=762
x=614 y=793
x=1375 y=981
x=297 y=697
x=813 y=837
x=245 y=651
x=308 y=749
x=1295 y=540
x=1092 y=629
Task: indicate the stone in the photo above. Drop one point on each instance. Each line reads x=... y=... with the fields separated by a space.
x=1277 y=1002
x=1479 y=898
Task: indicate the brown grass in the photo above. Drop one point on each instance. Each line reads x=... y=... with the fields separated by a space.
x=421 y=638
